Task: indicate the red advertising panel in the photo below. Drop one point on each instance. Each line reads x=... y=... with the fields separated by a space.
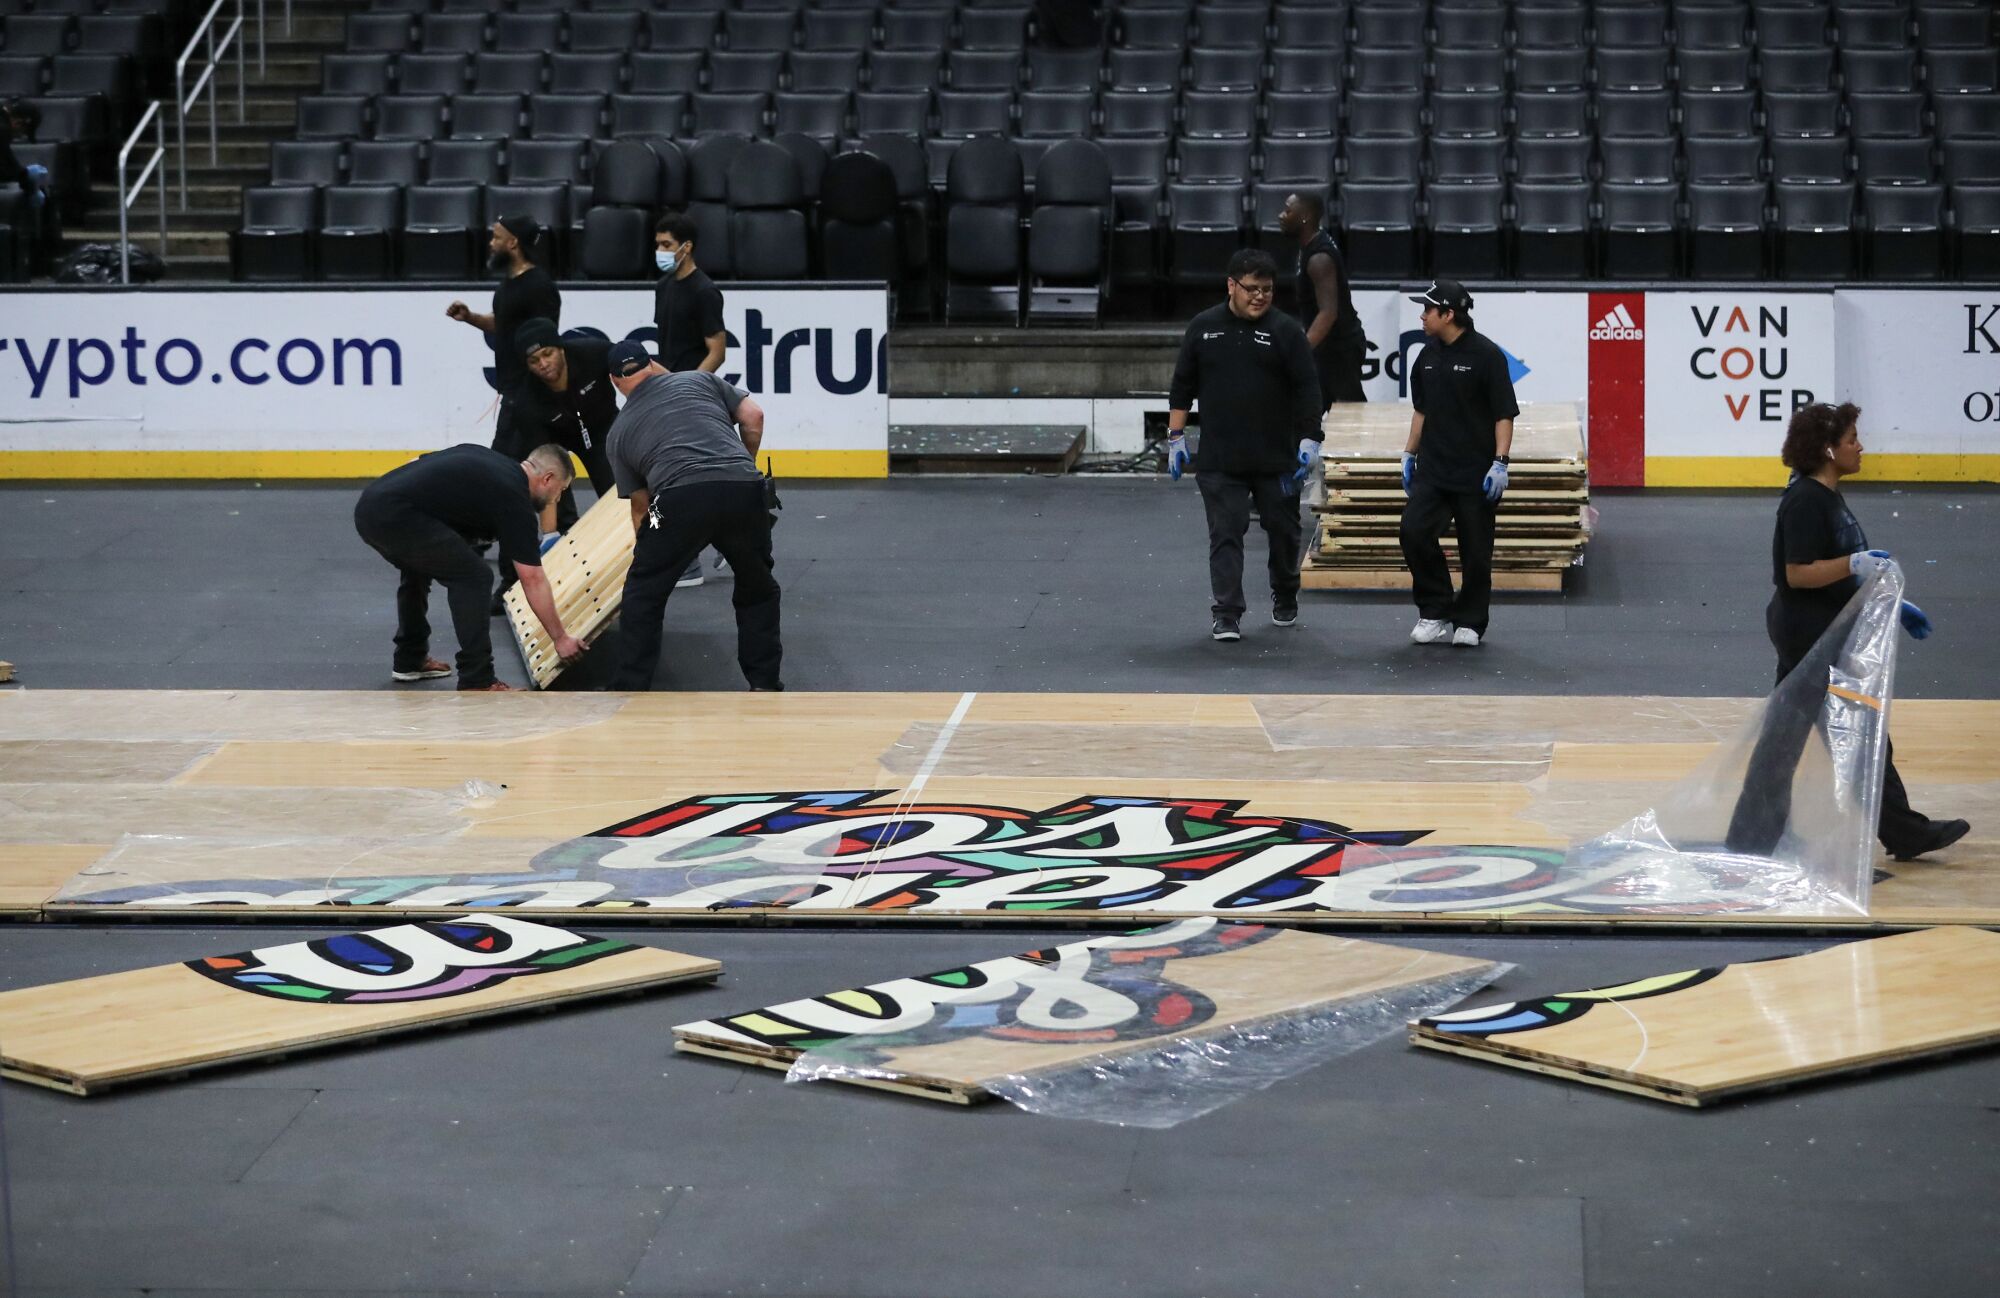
x=1618 y=389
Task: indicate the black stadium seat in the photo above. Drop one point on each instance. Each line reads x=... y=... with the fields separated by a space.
x=356 y=239
x=859 y=207
x=984 y=187
x=306 y=162
x=463 y=162
x=385 y=162
x=275 y=241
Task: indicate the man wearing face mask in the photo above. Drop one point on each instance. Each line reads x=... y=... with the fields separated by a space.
x=687 y=311
x=526 y=292
x=570 y=403
x=424 y=517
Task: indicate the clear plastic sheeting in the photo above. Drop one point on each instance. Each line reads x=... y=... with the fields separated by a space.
x=1183 y=1079
x=279 y=716
x=1498 y=725
x=1782 y=816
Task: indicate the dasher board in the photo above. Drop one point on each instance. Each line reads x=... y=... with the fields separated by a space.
x=586 y=572
x=93 y=1033
x=946 y=1035
x=1705 y=1035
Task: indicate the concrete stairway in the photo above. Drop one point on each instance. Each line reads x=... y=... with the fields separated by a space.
x=198 y=235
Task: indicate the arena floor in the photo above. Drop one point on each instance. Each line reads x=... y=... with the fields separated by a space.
x=574 y=1153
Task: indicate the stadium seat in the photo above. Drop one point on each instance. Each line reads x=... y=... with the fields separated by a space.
x=1975 y=229
x=1466 y=220
x=1905 y=230
x=1380 y=220
x=1068 y=232
x=274 y=243
x=819 y=71
x=356 y=239
x=497 y=73
x=484 y=117
x=1205 y=225
x=893 y=112
x=306 y=162
x=983 y=193
x=859 y=207
x=834 y=29
x=708 y=200
x=433 y=74
x=331 y=117
x=384 y=162
x=353 y=74
x=545 y=162
x=1064 y=69
x=463 y=162
x=1726 y=230
x=962 y=114
x=1641 y=225
x=740 y=71
x=767 y=221
x=1056 y=114
x=409 y=117
x=1551 y=229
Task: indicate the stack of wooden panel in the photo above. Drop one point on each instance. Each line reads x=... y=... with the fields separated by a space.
x=586 y=572
x=1543 y=520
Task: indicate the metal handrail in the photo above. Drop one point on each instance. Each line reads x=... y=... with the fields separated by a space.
x=186 y=98
x=129 y=194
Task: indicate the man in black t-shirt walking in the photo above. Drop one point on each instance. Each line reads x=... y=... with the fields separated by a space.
x=687 y=312
x=526 y=292
x=424 y=517
x=1325 y=301
x=1252 y=373
x=1454 y=466
x=570 y=403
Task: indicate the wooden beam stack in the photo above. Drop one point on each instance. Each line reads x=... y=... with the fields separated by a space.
x=1543 y=522
x=586 y=572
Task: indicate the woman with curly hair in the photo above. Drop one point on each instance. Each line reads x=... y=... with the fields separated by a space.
x=1819 y=555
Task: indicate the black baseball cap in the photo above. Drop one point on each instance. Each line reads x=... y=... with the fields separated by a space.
x=626 y=359
x=1447 y=294
x=535 y=334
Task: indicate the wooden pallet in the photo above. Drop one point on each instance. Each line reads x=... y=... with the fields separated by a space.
x=1704 y=1035
x=586 y=572
x=85 y=1036
x=6 y=672
x=1314 y=577
x=1083 y=1001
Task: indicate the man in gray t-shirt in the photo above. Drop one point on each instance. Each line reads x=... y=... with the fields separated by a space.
x=684 y=453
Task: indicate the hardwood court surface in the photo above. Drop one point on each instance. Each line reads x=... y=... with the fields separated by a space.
x=1704 y=1035
x=118 y=802
x=952 y=1034
x=85 y=1036
x=586 y=572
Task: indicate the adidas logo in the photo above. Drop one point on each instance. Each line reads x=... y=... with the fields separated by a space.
x=1618 y=326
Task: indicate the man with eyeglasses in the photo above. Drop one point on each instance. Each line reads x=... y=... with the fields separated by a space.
x=1454 y=466
x=1251 y=370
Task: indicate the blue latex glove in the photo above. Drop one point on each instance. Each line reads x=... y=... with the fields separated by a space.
x=549 y=540
x=1866 y=563
x=1914 y=621
x=1177 y=455
x=1409 y=470
x=1495 y=485
x=1308 y=465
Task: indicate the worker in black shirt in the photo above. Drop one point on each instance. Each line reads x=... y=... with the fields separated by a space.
x=1325 y=301
x=687 y=312
x=526 y=292
x=571 y=403
x=1819 y=557
x=424 y=517
x=1252 y=372
x=1454 y=465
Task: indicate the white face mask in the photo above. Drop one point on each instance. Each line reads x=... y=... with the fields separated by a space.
x=665 y=261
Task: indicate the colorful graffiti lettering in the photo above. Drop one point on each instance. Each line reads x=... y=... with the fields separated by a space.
x=851 y=851
x=410 y=962
x=1526 y=1016
x=1109 y=989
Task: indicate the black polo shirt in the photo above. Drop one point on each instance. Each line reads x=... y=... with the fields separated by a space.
x=687 y=312
x=519 y=299
x=1462 y=390
x=475 y=491
x=578 y=417
x=1814 y=523
x=1255 y=386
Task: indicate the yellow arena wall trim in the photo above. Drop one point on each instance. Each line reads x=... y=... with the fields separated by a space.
x=1767 y=471
x=213 y=465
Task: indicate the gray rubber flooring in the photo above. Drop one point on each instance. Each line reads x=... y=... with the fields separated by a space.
x=573 y=1153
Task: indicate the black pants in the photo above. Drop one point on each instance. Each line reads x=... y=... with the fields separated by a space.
x=425 y=550
x=1338 y=364
x=1764 y=807
x=1226 y=498
x=683 y=520
x=1428 y=512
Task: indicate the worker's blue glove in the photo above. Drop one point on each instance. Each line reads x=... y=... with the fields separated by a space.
x=549 y=540
x=1914 y=621
x=1409 y=469
x=1177 y=455
x=1495 y=485
x=1308 y=465
x=1866 y=563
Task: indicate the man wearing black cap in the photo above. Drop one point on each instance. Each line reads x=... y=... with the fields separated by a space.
x=684 y=452
x=1325 y=301
x=571 y=403
x=526 y=292
x=1252 y=372
x=1454 y=466
x=423 y=518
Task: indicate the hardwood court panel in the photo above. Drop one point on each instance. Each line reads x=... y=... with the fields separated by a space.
x=1071 y=1004
x=93 y=1033
x=31 y=873
x=586 y=573
x=1704 y=1035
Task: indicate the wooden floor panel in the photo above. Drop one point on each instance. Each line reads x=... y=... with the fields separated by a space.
x=319 y=791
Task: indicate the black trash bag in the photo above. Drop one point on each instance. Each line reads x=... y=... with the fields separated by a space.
x=97 y=263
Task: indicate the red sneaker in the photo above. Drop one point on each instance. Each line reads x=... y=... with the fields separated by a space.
x=497 y=687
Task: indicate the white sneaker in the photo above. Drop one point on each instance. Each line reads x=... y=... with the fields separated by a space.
x=1465 y=638
x=692 y=577
x=1430 y=630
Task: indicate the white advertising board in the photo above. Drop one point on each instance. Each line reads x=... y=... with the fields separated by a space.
x=1724 y=371
x=1925 y=369
x=338 y=383
x=1545 y=336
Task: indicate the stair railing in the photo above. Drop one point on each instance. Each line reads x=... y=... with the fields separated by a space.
x=186 y=98
x=130 y=194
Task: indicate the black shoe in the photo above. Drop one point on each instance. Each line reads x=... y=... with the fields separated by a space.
x=779 y=688
x=1285 y=615
x=1224 y=628
x=1943 y=833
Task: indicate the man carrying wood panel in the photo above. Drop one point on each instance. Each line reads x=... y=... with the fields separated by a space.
x=422 y=518
x=1454 y=466
x=570 y=404
x=684 y=453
